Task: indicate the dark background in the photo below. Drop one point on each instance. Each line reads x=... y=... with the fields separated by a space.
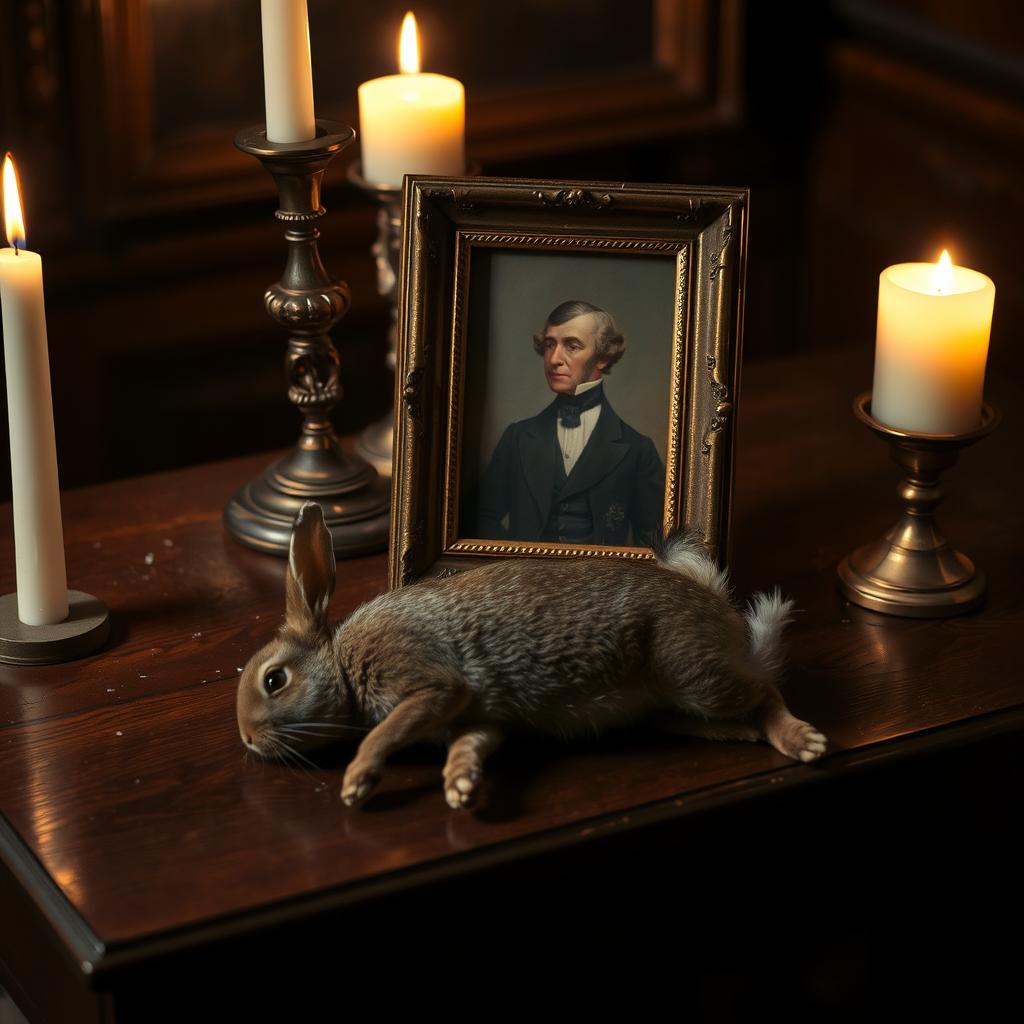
x=870 y=133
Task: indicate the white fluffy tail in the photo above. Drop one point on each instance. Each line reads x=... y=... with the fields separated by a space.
x=767 y=616
x=685 y=554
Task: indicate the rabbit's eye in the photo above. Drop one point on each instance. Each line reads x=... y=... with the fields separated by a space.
x=274 y=680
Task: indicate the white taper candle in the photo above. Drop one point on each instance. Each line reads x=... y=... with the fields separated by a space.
x=38 y=532
x=287 y=71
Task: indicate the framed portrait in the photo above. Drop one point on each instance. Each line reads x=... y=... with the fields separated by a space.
x=567 y=370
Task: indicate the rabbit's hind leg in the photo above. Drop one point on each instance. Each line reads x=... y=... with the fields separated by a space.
x=768 y=719
x=464 y=768
x=786 y=733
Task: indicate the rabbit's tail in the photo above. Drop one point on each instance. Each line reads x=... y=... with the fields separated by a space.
x=766 y=618
x=683 y=553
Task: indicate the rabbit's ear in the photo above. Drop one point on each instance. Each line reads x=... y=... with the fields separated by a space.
x=311 y=572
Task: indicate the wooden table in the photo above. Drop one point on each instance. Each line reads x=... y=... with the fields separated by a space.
x=149 y=868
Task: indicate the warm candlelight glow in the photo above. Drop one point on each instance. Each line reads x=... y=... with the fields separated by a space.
x=931 y=345
x=409 y=46
x=411 y=123
x=14 y=219
x=943 y=278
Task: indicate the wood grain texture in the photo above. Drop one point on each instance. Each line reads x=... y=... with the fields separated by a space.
x=123 y=774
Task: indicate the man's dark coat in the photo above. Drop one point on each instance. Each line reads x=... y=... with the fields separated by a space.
x=619 y=471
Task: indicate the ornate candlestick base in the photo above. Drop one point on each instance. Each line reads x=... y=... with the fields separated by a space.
x=307 y=302
x=85 y=630
x=912 y=570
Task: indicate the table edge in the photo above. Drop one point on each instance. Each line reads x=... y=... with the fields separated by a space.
x=96 y=958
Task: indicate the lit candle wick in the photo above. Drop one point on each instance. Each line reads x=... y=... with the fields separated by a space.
x=943 y=278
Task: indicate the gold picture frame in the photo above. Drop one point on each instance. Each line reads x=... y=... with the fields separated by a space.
x=458 y=231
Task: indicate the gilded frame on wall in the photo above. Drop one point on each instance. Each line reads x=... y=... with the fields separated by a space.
x=463 y=237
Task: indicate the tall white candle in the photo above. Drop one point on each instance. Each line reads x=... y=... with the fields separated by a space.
x=287 y=71
x=931 y=346
x=411 y=123
x=38 y=533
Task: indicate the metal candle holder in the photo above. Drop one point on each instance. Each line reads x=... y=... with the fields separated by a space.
x=912 y=570
x=308 y=302
x=85 y=630
x=376 y=443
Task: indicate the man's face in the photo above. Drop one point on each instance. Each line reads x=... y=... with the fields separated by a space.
x=570 y=354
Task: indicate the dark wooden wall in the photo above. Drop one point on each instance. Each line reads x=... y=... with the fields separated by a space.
x=869 y=132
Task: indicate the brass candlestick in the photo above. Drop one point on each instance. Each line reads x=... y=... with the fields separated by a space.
x=307 y=302
x=912 y=570
x=376 y=442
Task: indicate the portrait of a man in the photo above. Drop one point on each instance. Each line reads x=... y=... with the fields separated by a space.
x=575 y=472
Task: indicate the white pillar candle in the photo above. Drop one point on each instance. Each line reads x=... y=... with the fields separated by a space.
x=931 y=346
x=287 y=71
x=411 y=123
x=38 y=533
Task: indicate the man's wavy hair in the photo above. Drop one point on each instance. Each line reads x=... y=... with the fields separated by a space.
x=610 y=343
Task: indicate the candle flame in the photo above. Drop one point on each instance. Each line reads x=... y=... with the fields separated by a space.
x=14 y=219
x=942 y=280
x=409 y=46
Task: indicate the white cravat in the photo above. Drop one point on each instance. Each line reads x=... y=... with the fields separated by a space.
x=572 y=440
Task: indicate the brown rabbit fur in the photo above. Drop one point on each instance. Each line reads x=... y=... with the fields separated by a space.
x=561 y=647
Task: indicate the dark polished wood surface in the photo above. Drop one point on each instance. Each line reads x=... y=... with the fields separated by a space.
x=135 y=825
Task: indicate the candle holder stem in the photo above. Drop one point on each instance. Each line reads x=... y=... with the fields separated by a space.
x=913 y=570
x=307 y=302
x=376 y=443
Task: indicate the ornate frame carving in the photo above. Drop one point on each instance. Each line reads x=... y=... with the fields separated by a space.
x=704 y=229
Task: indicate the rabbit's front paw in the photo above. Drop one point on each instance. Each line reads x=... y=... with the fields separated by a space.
x=361 y=778
x=461 y=785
